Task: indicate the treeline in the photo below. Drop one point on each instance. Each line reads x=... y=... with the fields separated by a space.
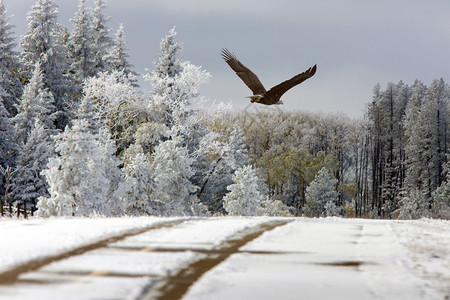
x=79 y=137
x=391 y=164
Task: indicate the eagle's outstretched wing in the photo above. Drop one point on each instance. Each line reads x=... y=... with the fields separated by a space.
x=249 y=78
x=278 y=90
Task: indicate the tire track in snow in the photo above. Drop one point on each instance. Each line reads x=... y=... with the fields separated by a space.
x=174 y=287
x=12 y=275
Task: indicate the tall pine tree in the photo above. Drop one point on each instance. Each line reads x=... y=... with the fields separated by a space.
x=8 y=146
x=171 y=165
x=28 y=184
x=175 y=83
x=9 y=65
x=118 y=58
x=321 y=196
x=101 y=41
x=83 y=178
x=81 y=51
x=41 y=44
x=246 y=195
x=36 y=104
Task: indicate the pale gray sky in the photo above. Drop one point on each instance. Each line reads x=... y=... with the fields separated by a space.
x=355 y=43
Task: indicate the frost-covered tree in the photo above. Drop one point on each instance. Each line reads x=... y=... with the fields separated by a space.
x=435 y=118
x=175 y=83
x=9 y=66
x=8 y=146
x=37 y=103
x=169 y=64
x=41 y=44
x=236 y=154
x=81 y=51
x=141 y=184
x=386 y=114
x=118 y=58
x=175 y=86
x=407 y=144
x=171 y=166
x=101 y=41
x=441 y=200
x=276 y=208
x=321 y=196
x=88 y=111
x=84 y=178
x=426 y=134
x=216 y=162
x=413 y=206
x=415 y=134
x=149 y=134
x=28 y=184
x=246 y=194
x=120 y=106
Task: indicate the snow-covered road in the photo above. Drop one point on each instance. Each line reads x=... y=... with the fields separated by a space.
x=224 y=258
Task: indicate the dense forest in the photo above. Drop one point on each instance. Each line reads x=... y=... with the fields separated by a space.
x=79 y=137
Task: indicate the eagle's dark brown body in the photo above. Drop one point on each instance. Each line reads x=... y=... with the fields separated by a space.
x=260 y=95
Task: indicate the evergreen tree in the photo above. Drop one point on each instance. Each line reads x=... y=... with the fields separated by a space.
x=415 y=135
x=321 y=196
x=276 y=208
x=175 y=83
x=141 y=184
x=84 y=178
x=386 y=114
x=82 y=54
x=169 y=64
x=216 y=162
x=9 y=66
x=246 y=194
x=413 y=206
x=41 y=44
x=28 y=184
x=110 y=164
x=88 y=111
x=408 y=136
x=36 y=104
x=171 y=165
x=426 y=133
x=118 y=58
x=101 y=42
x=8 y=147
x=441 y=200
x=435 y=110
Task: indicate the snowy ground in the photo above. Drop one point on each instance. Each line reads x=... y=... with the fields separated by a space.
x=224 y=258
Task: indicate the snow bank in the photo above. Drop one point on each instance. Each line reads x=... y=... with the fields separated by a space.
x=28 y=240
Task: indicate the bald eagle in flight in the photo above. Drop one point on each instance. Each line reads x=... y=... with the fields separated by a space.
x=260 y=95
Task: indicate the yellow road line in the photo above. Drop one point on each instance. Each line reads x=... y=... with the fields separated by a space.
x=148 y=249
x=98 y=274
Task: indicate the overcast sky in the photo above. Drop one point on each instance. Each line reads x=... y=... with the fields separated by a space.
x=354 y=43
